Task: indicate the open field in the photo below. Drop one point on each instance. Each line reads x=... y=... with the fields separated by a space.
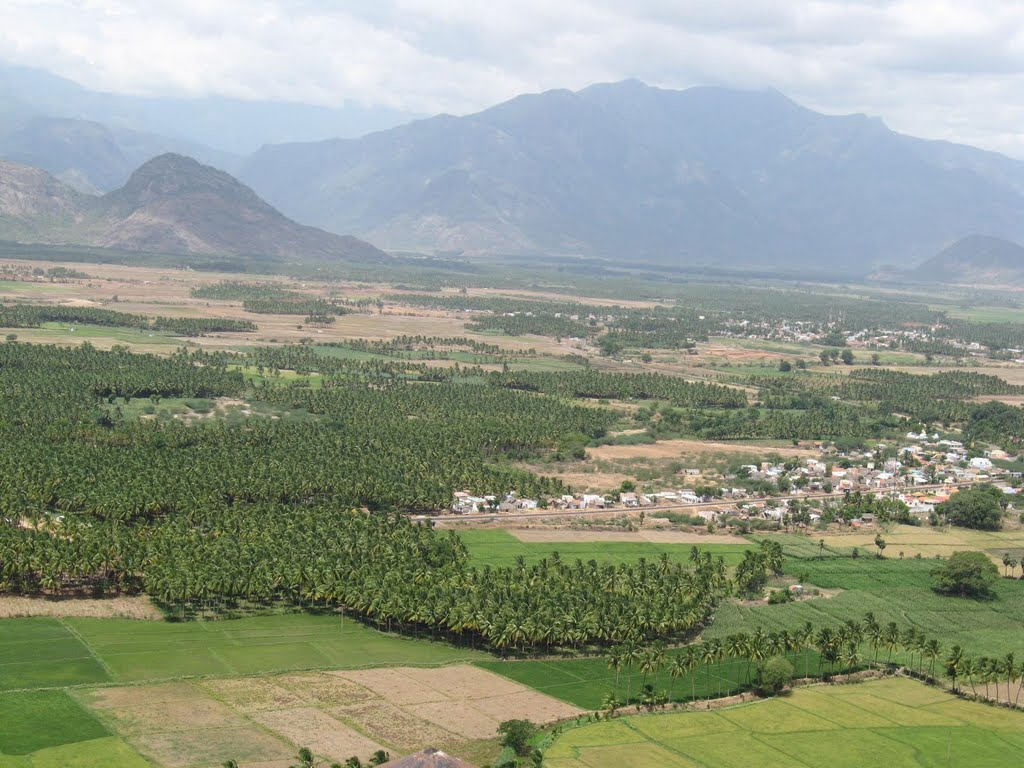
x=14 y=606
x=498 y=548
x=336 y=714
x=894 y=590
x=893 y=722
x=678 y=449
x=930 y=542
x=585 y=682
x=44 y=652
x=44 y=729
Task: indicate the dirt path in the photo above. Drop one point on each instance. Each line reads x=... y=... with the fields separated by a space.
x=666 y=449
x=73 y=607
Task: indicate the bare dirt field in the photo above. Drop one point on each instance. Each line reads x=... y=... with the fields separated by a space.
x=107 y=608
x=540 y=535
x=336 y=714
x=667 y=449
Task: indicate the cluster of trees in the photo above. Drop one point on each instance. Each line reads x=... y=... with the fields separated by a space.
x=753 y=570
x=537 y=324
x=979 y=507
x=300 y=305
x=886 y=510
x=966 y=574
x=385 y=568
x=622 y=386
x=34 y=315
x=234 y=290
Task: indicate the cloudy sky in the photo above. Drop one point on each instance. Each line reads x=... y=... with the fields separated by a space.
x=951 y=70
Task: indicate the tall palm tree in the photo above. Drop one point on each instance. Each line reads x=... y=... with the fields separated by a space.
x=954 y=664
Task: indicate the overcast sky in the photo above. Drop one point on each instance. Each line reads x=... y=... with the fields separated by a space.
x=951 y=70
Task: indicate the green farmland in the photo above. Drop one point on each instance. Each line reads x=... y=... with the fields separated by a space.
x=50 y=729
x=895 y=591
x=896 y=723
x=52 y=653
x=585 y=682
x=499 y=548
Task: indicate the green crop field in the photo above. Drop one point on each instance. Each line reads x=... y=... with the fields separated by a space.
x=585 y=682
x=499 y=548
x=894 y=590
x=44 y=653
x=44 y=729
x=893 y=722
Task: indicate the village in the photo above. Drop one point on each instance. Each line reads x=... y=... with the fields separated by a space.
x=924 y=471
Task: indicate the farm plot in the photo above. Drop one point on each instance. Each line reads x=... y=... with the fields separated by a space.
x=40 y=729
x=929 y=542
x=43 y=653
x=336 y=714
x=586 y=682
x=498 y=547
x=895 y=591
x=881 y=722
x=137 y=651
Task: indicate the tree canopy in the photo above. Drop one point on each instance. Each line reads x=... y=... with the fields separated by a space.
x=965 y=574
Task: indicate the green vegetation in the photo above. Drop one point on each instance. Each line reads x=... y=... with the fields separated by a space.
x=643 y=386
x=980 y=508
x=892 y=590
x=44 y=653
x=894 y=722
x=966 y=574
x=34 y=720
x=500 y=549
x=34 y=316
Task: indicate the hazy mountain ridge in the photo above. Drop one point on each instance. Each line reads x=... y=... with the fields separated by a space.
x=171 y=204
x=976 y=259
x=623 y=170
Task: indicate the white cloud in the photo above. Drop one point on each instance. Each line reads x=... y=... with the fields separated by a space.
x=934 y=68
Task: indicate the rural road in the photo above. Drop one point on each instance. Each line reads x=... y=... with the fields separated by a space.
x=651 y=509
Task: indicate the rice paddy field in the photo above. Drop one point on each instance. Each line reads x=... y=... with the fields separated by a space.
x=894 y=722
x=51 y=653
x=499 y=548
x=585 y=682
x=929 y=542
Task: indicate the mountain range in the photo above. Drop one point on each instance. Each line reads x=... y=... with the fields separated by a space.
x=626 y=171
x=977 y=260
x=171 y=204
x=620 y=172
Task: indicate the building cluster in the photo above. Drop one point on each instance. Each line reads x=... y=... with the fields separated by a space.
x=922 y=472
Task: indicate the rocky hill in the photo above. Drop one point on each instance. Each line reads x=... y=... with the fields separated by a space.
x=171 y=204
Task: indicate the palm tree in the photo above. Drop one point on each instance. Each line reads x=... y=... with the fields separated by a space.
x=677 y=667
x=932 y=649
x=851 y=657
x=305 y=758
x=954 y=664
x=708 y=654
x=891 y=639
x=379 y=757
x=968 y=669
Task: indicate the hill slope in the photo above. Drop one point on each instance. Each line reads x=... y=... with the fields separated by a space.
x=703 y=176
x=171 y=204
x=976 y=259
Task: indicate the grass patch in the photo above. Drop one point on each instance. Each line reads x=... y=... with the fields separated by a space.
x=499 y=548
x=42 y=653
x=809 y=727
x=34 y=720
x=586 y=682
x=894 y=590
x=160 y=650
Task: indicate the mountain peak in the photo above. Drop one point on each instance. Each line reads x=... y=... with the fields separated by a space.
x=170 y=204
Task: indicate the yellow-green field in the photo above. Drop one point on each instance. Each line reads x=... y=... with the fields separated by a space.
x=928 y=542
x=895 y=723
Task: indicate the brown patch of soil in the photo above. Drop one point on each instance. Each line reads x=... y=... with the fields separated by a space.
x=12 y=606
x=141 y=695
x=391 y=725
x=392 y=685
x=252 y=694
x=319 y=731
x=211 y=746
x=162 y=717
x=667 y=449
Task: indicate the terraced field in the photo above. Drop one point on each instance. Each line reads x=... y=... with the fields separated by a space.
x=897 y=723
